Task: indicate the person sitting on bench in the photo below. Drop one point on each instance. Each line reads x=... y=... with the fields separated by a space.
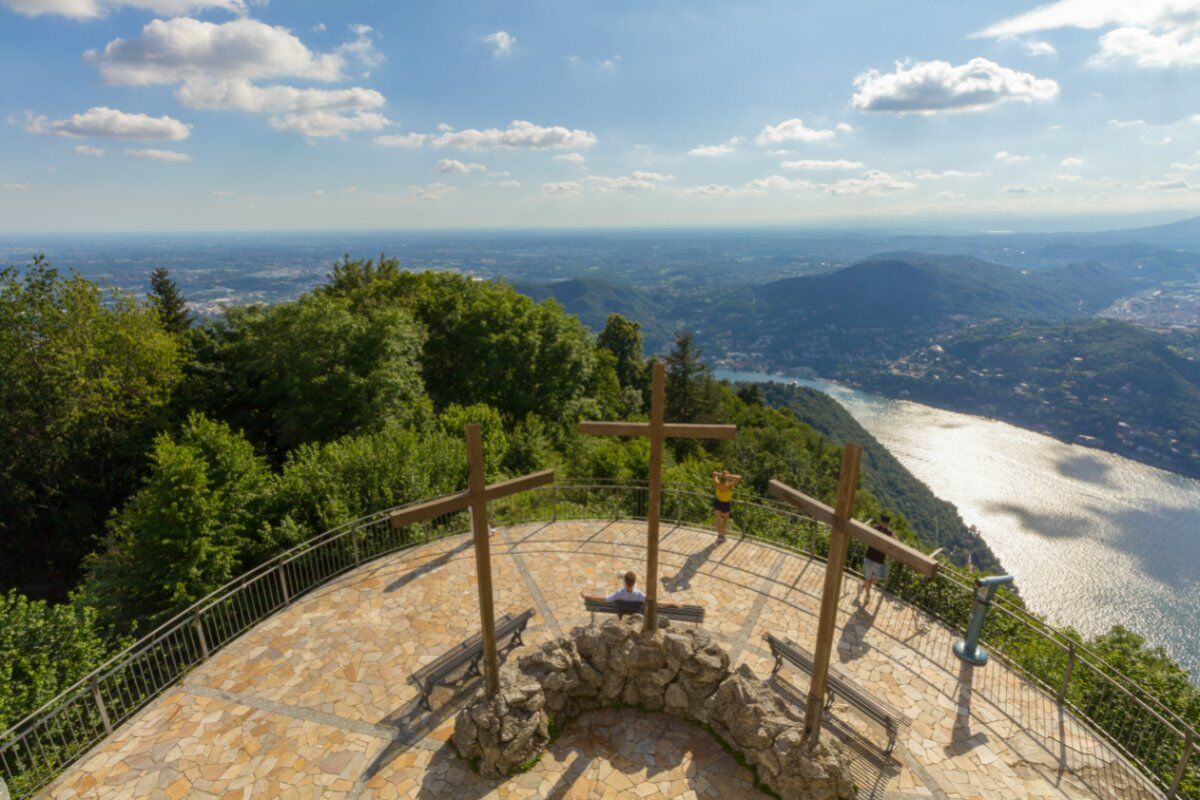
x=629 y=593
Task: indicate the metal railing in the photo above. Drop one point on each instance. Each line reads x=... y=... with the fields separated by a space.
x=1163 y=748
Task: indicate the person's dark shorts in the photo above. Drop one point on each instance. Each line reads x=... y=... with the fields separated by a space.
x=722 y=506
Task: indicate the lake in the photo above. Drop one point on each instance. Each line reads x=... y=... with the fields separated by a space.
x=1094 y=539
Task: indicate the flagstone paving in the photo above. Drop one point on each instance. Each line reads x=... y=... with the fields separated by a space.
x=314 y=702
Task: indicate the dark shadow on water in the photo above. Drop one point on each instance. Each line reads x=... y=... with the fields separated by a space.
x=1087 y=468
x=1050 y=525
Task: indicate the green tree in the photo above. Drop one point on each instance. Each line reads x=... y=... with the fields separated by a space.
x=310 y=370
x=200 y=519
x=486 y=343
x=169 y=301
x=690 y=389
x=85 y=382
x=43 y=650
x=623 y=338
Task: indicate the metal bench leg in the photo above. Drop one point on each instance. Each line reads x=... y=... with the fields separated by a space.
x=778 y=665
x=425 y=700
x=891 y=731
x=516 y=639
x=474 y=668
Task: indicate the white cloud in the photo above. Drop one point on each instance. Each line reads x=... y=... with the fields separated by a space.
x=362 y=47
x=1036 y=48
x=1010 y=158
x=323 y=124
x=502 y=43
x=432 y=192
x=1185 y=167
x=453 y=165
x=518 y=135
x=1126 y=123
x=817 y=164
x=776 y=182
x=948 y=195
x=88 y=150
x=1093 y=14
x=1068 y=178
x=160 y=155
x=711 y=190
x=726 y=147
x=239 y=94
x=182 y=49
x=844 y=127
x=873 y=182
x=1071 y=161
x=109 y=123
x=780 y=152
x=1150 y=33
x=932 y=87
x=561 y=189
x=406 y=140
x=91 y=9
x=1171 y=184
x=510 y=184
x=937 y=175
x=14 y=187
x=638 y=181
x=571 y=158
x=792 y=130
x=222 y=193
x=1021 y=189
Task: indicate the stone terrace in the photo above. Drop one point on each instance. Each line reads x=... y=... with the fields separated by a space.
x=314 y=701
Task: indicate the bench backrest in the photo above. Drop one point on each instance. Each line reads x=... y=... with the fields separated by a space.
x=623 y=607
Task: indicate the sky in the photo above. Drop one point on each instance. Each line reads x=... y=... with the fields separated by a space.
x=176 y=115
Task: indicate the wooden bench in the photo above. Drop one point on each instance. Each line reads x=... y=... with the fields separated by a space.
x=469 y=653
x=694 y=614
x=841 y=685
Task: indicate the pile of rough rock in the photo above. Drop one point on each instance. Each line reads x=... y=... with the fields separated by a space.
x=681 y=672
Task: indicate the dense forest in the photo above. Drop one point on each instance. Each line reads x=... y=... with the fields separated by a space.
x=148 y=457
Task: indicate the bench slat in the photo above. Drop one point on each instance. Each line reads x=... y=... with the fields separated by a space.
x=889 y=716
x=470 y=652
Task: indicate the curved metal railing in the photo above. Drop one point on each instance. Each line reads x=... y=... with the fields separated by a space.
x=1152 y=737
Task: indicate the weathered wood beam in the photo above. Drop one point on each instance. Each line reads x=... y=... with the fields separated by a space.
x=615 y=428
x=428 y=510
x=683 y=430
x=909 y=556
x=524 y=483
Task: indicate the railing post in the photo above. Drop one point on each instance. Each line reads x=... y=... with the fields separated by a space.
x=1062 y=690
x=354 y=540
x=1189 y=744
x=554 y=500
x=199 y=626
x=95 y=686
x=283 y=583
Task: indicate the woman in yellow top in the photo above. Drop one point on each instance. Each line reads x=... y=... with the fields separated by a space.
x=723 y=483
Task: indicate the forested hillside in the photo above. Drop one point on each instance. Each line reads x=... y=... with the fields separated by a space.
x=149 y=459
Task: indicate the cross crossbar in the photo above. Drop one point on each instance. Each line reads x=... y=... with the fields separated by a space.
x=909 y=556
x=670 y=430
x=450 y=503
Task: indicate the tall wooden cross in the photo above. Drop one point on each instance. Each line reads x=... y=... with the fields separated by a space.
x=843 y=527
x=476 y=498
x=657 y=431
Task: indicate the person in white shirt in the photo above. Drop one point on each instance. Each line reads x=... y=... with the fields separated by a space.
x=627 y=593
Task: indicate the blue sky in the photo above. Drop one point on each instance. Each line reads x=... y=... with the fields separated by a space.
x=234 y=114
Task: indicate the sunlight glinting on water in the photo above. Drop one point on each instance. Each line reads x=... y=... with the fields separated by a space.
x=1094 y=539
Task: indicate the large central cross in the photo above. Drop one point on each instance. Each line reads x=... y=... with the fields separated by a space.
x=656 y=431
x=476 y=498
x=843 y=526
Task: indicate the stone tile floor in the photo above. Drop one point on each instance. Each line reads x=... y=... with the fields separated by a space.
x=314 y=702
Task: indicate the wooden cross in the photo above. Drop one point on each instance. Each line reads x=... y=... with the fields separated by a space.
x=843 y=526
x=657 y=431
x=476 y=498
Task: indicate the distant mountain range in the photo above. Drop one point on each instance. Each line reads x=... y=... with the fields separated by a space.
x=1020 y=344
